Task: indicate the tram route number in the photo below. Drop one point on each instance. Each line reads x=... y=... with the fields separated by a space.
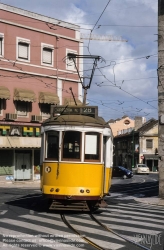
x=88 y=110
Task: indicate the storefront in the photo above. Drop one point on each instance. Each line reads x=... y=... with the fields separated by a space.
x=20 y=151
x=151 y=160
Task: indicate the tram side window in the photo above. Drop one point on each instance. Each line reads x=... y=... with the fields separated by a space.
x=71 y=145
x=52 y=145
x=92 y=146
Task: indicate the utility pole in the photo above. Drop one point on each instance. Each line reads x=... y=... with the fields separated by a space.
x=160 y=72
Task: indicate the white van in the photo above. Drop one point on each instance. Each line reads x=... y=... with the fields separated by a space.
x=141 y=169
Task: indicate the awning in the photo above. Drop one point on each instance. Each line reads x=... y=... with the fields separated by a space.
x=20 y=142
x=24 y=95
x=4 y=93
x=151 y=157
x=71 y=102
x=48 y=97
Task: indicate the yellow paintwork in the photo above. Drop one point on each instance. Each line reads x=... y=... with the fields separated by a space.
x=71 y=177
x=108 y=175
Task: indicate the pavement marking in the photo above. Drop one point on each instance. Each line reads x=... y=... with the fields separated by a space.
x=2 y=212
x=44 y=231
x=137 y=210
x=19 y=239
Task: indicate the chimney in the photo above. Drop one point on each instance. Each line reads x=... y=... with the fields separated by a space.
x=138 y=122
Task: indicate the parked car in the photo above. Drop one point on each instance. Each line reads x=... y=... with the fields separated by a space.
x=122 y=172
x=141 y=169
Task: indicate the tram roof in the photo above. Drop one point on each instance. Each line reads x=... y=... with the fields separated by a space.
x=76 y=120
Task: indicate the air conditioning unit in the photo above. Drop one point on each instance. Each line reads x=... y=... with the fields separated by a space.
x=10 y=116
x=36 y=118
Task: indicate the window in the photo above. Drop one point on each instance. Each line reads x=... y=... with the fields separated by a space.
x=149 y=143
x=69 y=62
x=71 y=145
x=1 y=44
x=52 y=149
x=45 y=110
x=126 y=122
x=23 y=49
x=92 y=146
x=1 y=106
x=22 y=108
x=47 y=53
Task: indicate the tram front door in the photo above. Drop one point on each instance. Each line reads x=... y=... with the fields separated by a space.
x=22 y=166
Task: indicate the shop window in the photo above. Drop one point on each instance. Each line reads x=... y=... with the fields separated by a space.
x=47 y=52
x=92 y=146
x=149 y=143
x=52 y=142
x=22 y=108
x=23 y=49
x=71 y=145
x=45 y=110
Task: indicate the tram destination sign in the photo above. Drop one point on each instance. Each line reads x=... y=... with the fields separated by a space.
x=74 y=110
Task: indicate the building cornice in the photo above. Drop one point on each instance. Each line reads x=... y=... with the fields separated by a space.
x=39 y=17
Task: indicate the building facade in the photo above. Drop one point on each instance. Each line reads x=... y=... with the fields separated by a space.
x=121 y=124
x=138 y=146
x=35 y=73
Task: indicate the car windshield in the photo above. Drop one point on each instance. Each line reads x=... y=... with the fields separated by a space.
x=122 y=168
x=142 y=166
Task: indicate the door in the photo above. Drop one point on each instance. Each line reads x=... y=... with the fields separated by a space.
x=22 y=166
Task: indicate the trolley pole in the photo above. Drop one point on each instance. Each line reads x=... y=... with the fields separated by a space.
x=160 y=72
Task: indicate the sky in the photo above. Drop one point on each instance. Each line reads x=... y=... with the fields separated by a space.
x=125 y=80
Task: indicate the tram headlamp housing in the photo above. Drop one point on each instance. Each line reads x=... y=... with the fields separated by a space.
x=47 y=169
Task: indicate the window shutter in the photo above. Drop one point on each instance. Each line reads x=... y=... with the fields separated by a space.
x=47 y=55
x=149 y=143
x=23 y=50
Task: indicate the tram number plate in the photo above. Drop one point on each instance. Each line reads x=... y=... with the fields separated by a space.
x=88 y=111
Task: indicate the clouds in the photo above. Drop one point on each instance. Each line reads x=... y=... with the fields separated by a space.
x=127 y=82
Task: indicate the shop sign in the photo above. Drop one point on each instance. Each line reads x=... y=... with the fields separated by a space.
x=19 y=131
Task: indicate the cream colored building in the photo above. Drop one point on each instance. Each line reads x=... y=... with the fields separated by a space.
x=121 y=126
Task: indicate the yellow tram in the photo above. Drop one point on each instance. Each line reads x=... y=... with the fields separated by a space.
x=76 y=158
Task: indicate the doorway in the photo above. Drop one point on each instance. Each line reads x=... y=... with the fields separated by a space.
x=22 y=166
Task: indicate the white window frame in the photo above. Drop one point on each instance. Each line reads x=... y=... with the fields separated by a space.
x=26 y=41
x=70 y=65
x=2 y=48
x=50 y=47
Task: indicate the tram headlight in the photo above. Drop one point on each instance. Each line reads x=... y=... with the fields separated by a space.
x=47 y=169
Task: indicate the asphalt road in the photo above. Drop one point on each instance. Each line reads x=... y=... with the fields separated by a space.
x=25 y=222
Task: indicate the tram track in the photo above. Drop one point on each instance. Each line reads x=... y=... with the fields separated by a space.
x=104 y=227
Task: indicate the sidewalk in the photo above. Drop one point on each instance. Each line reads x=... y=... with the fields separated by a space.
x=12 y=183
